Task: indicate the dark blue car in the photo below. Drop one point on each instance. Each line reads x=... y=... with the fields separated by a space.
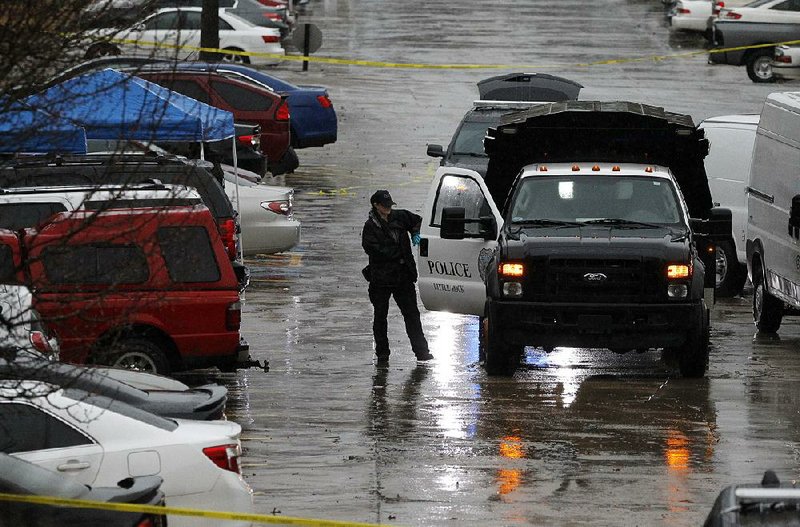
x=313 y=118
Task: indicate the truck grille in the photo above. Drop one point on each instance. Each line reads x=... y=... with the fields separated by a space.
x=594 y=280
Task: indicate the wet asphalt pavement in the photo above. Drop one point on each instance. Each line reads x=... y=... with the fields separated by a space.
x=577 y=437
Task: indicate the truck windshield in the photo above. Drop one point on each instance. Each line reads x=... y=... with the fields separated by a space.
x=595 y=198
x=469 y=140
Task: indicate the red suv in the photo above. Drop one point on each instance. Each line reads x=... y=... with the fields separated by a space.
x=149 y=289
x=248 y=102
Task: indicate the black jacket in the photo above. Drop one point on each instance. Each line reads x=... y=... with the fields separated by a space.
x=389 y=248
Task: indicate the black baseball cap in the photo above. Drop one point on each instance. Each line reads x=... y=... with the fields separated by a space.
x=382 y=197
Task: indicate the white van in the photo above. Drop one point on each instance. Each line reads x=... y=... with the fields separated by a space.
x=728 y=169
x=773 y=220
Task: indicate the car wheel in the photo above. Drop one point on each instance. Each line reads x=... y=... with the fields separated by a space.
x=759 y=65
x=693 y=356
x=482 y=330
x=102 y=50
x=138 y=355
x=767 y=310
x=730 y=275
x=286 y=164
x=235 y=57
x=500 y=357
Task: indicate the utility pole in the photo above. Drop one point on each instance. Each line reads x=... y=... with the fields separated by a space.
x=209 y=30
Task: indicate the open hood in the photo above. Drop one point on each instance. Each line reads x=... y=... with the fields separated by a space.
x=536 y=87
x=589 y=131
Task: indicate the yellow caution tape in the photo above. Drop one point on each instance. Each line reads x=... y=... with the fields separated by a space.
x=411 y=65
x=178 y=511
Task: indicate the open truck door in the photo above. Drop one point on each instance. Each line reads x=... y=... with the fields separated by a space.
x=460 y=223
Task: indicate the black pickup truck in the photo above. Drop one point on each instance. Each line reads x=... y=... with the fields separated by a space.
x=593 y=228
x=734 y=36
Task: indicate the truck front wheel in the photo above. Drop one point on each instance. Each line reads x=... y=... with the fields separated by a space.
x=693 y=356
x=767 y=310
x=500 y=357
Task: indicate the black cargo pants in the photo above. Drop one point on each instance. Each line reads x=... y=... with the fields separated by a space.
x=405 y=295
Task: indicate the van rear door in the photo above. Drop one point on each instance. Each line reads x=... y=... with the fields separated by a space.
x=452 y=271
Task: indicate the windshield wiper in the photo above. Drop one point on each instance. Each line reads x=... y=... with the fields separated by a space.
x=544 y=222
x=470 y=154
x=622 y=222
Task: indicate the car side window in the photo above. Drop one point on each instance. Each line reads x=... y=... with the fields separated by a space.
x=461 y=191
x=788 y=5
x=188 y=88
x=162 y=22
x=189 y=254
x=95 y=264
x=17 y=216
x=241 y=98
x=190 y=20
x=25 y=428
x=224 y=26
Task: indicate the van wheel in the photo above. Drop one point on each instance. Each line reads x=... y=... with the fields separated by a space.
x=693 y=356
x=759 y=65
x=139 y=355
x=730 y=275
x=767 y=310
x=500 y=358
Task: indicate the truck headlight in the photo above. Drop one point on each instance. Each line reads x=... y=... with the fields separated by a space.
x=677 y=290
x=512 y=289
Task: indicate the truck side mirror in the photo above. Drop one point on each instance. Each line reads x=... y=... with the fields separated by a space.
x=453 y=223
x=718 y=225
x=488 y=227
x=794 y=218
x=436 y=151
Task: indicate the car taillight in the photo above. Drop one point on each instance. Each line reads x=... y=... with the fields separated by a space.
x=147 y=522
x=717 y=7
x=324 y=101
x=684 y=11
x=40 y=342
x=233 y=316
x=227 y=230
x=272 y=16
x=268 y=39
x=282 y=113
x=732 y=15
x=785 y=59
x=224 y=456
x=283 y=208
x=250 y=140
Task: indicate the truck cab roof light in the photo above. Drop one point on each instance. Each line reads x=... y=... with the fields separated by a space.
x=649 y=170
x=596 y=168
x=576 y=168
x=542 y=168
x=615 y=168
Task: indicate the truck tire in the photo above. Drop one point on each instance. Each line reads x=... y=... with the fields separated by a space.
x=767 y=310
x=693 y=355
x=138 y=354
x=482 y=323
x=730 y=274
x=500 y=357
x=759 y=65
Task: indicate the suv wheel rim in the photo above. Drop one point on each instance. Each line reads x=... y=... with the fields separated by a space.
x=722 y=265
x=763 y=67
x=135 y=361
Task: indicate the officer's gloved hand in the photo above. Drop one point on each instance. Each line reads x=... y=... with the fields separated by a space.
x=415 y=238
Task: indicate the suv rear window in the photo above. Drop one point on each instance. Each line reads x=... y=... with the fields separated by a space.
x=241 y=98
x=95 y=264
x=189 y=254
x=17 y=216
x=141 y=203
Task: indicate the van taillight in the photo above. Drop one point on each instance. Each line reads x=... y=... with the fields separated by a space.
x=233 y=316
x=227 y=230
x=224 y=456
x=282 y=113
x=324 y=101
x=40 y=342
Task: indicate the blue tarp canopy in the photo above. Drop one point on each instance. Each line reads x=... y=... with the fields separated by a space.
x=116 y=106
x=24 y=130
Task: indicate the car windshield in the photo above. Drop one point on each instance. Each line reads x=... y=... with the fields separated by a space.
x=469 y=140
x=613 y=200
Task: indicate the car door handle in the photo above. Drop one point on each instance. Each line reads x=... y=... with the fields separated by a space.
x=73 y=464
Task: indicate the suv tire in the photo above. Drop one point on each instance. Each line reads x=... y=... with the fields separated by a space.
x=759 y=65
x=730 y=274
x=500 y=357
x=767 y=310
x=140 y=355
x=693 y=355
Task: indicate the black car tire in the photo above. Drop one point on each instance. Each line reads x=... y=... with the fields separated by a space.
x=137 y=354
x=286 y=164
x=235 y=58
x=759 y=65
x=693 y=355
x=500 y=357
x=767 y=310
x=482 y=330
x=102 y=49
x=730 y=273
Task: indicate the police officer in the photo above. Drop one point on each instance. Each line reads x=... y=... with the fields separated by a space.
x=392 y=272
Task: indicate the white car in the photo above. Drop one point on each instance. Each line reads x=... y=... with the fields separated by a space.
x=787 y=11
x=698 y=15
x=174 y=33
x=99 y=441
x=266 y=214
x=20 y=325
x=786 y=63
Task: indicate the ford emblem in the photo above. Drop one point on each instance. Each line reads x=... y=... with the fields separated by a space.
x=595 y=277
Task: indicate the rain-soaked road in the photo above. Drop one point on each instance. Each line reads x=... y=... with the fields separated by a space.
x=577 y=437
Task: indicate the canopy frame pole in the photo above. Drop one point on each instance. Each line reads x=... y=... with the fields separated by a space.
x=238 y=207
